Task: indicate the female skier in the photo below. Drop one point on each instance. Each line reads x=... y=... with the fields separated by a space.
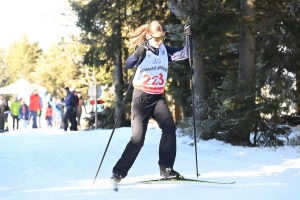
x=152 y=60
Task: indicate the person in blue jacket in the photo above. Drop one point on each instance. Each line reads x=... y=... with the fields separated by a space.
x=70 y=104
x=24 y=113
x=152 y=58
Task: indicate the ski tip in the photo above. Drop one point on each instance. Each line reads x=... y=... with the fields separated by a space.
x=179 y=177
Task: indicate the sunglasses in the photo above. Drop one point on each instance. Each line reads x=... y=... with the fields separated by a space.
x=157 y=39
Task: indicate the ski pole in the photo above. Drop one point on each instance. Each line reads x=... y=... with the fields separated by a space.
x=193 y=103
x=121 y=110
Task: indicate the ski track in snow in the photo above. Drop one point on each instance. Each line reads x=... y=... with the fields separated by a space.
x=53 y=164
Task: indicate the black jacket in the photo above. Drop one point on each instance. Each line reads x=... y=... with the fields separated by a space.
x=3 y=107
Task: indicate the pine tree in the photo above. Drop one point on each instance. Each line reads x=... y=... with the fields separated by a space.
x=22 y=58
x=3 y=69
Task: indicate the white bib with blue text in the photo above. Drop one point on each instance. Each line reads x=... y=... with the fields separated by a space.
x=151 y=74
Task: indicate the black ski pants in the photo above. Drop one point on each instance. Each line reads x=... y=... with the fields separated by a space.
x=15 y=121
x=1 y=122
x=67 y=118
x=73 y=121
x=143 y=107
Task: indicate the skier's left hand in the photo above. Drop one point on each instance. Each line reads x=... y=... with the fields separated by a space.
x=188 y=30
x=141 y=51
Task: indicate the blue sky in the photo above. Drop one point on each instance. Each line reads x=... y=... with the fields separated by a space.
x=40 y=20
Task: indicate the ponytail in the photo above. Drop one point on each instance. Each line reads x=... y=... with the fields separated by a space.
x=138 y=36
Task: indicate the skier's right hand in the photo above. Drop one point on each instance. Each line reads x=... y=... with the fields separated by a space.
x=140 y=52
x=188 y=30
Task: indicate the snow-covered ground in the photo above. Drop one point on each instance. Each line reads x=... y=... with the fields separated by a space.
x=51 y=164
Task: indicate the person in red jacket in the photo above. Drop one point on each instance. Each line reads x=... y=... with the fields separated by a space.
x=34 y=106
x=49 y=113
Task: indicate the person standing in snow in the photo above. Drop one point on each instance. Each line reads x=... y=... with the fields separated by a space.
x=57 y=113
x=2 y=110
x=70 y=104
x=63 y=110
x=49 y=113
x=79 y=110
x=24 y=113
x=34 y=107
x=39 y=114
x=74 y=114
x=6 y=113
x=15 y=112
x=148 y=99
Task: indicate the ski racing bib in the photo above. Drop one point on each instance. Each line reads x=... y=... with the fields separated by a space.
x=151 y=74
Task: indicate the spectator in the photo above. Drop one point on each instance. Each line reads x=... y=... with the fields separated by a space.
x=2 y=109
x=39 y=113
x=69 y=106
x=79 y=108
x=49 y=113
x=6 y=112
x=62 y=107
x=53 y=105
x=34 y=106
x=57 y=113
x=15 y=112
x=24 y=113
x=74 y=114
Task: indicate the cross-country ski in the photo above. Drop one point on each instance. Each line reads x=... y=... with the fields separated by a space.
x=182 y=179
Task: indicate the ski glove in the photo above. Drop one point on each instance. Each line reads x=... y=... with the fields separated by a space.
x=188 y=30
x=140 y=52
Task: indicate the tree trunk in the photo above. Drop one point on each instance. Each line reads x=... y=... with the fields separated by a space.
x=246 y=69
x=198 y=65
x=297 y=100
x=247 y=43
x=118 y=74
x=118 y=83
x=199 y=86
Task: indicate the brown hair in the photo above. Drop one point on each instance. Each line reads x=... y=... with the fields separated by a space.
x=138 y=36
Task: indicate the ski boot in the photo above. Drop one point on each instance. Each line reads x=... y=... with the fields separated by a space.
x=168 y=173
x=114 y=180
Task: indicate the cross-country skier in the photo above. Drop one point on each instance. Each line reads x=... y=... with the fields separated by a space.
x=152 y=58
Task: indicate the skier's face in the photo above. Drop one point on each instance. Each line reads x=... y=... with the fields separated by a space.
x=156 y=39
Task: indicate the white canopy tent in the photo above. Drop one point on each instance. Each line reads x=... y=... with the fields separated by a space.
x=23 y=89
